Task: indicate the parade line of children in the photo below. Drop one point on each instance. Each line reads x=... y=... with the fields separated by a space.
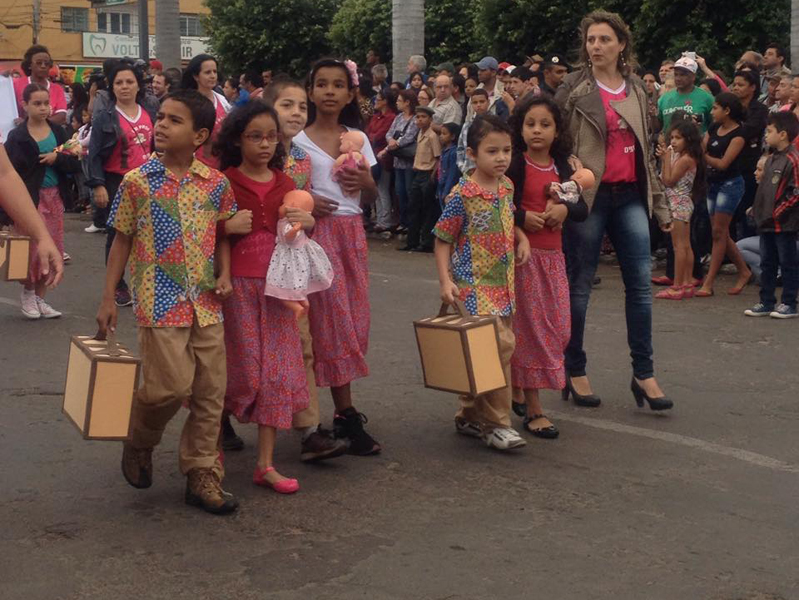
x=248 y=259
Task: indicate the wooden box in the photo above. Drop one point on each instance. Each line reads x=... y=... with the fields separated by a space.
x=14 y=256
x=102 y=377
x=460 y=352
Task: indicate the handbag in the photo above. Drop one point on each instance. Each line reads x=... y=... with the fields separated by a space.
x=408 y=151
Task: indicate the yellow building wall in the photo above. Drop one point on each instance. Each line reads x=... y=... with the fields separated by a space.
x=65 y=47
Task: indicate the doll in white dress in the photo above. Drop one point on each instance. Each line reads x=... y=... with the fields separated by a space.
x=299 y=266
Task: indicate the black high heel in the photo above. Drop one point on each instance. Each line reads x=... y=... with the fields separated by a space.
x=662 y=403
x=590 y=401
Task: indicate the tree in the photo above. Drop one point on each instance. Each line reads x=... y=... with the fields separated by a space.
x=407 y=32
x=288 y=36
x=451 y=33
x=360 y=26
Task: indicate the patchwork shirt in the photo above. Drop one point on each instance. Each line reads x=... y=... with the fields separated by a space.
x=298 y=167
x=479 y=223
x=173 y=224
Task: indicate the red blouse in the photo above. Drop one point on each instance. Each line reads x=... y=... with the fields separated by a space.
x=536 y=181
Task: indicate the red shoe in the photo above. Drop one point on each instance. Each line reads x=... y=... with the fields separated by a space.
x=697 y=282
x=688 y=291
x=287 y=486
x=671 y=293
x=662 y=280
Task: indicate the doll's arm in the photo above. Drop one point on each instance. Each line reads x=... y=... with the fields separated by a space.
x=293 y=231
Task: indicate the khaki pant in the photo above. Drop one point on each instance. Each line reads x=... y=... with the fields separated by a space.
x=182 y=365
x=310 y=416
x=492 y=410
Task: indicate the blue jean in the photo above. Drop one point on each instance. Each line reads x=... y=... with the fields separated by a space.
x=779 y=250
x=402 y=185
x=621 y=211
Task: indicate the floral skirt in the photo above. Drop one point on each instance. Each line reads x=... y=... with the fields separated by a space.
x=340 y=315
x=51 y=209
x=266 y=381
x=542 y=322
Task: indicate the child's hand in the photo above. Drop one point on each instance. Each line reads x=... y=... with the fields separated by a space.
x=47 y=159
x=575 y=163
x=352 y=181
x=667 y=227
x=533 y=221
x=660 y=150
x=224 y=287
x=297 y=215
x=100 y=196
x=522 y=251
x=106 y=318
x=555 y=214
x=449 y=291
x=240 y=223
x=323 y=207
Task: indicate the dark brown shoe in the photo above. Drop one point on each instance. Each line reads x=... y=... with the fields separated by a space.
x=320 y=445
x=137 y=466
x=204 y=490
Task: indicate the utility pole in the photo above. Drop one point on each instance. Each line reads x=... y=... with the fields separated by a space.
x=37 y=19
x=144 y=30
x=167 y=32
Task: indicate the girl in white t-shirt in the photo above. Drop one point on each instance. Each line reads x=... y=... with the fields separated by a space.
x=340 y=315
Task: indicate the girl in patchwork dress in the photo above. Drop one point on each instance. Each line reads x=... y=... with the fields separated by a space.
x=266 y=377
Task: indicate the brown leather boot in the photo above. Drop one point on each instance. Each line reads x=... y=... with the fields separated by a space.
x=137 y=466
x=204 y=490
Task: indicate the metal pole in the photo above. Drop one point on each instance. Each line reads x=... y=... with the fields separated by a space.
x=144 y=30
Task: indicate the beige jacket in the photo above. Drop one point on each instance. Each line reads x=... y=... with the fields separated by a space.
x=583 y=110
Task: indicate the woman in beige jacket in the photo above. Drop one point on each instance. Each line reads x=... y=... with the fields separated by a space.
x=606 y=107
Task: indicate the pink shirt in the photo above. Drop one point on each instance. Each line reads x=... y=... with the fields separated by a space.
x=620 y=144
x=58 y=100
x=139 y=135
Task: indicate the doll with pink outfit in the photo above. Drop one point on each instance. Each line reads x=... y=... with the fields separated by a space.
x=299 y=266
x=350 y=157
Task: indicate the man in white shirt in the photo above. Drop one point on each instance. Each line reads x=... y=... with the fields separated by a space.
x=447 y=109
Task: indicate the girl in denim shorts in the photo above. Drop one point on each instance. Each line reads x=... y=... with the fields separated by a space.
x=723 y=144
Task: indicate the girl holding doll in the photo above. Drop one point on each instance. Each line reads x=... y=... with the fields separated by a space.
x=266 y=378
x=540 y=164
x=339 y=316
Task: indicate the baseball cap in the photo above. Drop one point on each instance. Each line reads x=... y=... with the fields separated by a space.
x=503 y=66
x=687 y=63
x=445 y=66
x=556 y=59
x=488 y=62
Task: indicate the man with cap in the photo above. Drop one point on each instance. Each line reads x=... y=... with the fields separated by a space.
x=555 y=69
x=686 y=97
x=445 y=68
x=487 y=70
x=446 y=108
x=505 y=69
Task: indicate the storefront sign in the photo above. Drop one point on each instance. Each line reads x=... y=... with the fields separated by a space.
x=109 y=45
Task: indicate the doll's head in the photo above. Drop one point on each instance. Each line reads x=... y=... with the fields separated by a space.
x=297 y=199
x=352 y=141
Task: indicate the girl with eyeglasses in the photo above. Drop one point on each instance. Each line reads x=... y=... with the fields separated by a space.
x=36 y=65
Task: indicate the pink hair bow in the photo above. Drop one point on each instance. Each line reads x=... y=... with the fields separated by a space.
x=353 y=69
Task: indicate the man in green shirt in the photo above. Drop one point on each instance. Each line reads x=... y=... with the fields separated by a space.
x=687 y=97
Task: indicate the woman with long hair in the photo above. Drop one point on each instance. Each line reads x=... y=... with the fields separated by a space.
x=202 y=74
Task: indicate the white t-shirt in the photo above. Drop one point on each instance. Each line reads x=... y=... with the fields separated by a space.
x=321 y=173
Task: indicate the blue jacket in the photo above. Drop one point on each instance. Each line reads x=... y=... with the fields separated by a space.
x=449 y=173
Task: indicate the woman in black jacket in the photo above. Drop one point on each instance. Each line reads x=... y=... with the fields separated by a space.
x=31 y=147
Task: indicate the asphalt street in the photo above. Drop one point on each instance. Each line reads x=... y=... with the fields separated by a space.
x=700 y=503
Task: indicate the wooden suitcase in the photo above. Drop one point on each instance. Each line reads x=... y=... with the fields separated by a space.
x=460 y=352
x=14 y=256
x=102 y=377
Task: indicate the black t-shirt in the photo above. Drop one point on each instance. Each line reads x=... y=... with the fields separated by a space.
x=717 y=147
x=753 y=127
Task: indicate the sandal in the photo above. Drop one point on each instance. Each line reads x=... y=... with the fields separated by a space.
x=520 y=409
x=703 y=294
x=547 y=433
x=671 y=293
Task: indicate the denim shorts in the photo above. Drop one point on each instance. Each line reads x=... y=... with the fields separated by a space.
x=724 y=196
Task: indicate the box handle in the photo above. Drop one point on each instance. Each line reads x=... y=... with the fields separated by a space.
x=112 y=347
x=459 y=309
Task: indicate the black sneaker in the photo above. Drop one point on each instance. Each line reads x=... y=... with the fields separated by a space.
x=122 y=297
x=321 y=445
x=231 y=442
x=349 y=425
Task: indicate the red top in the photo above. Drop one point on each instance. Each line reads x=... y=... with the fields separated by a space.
x=206 y=157
x=250 y=254
x=139 y=135
x=536 y=181
x=58 y=100
x=620 y=145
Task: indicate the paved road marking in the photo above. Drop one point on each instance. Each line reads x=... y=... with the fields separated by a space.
x=753 y=458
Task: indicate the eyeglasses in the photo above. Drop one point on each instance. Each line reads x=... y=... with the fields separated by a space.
x=258 y=138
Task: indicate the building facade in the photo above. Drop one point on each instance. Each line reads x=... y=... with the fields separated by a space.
x=80 y=34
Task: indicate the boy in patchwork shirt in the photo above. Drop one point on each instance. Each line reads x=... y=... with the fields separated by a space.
x=475 y=240
x=168 y=215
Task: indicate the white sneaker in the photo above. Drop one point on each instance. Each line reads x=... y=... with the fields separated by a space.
x=66 y=257
x=30 y=308
x=46 y=311
x=93 y=229
x=503 y=438
x=470 y=428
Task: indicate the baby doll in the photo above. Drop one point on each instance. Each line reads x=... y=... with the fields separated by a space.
x=569 y=192
x=299 y=265
x=350 y=157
